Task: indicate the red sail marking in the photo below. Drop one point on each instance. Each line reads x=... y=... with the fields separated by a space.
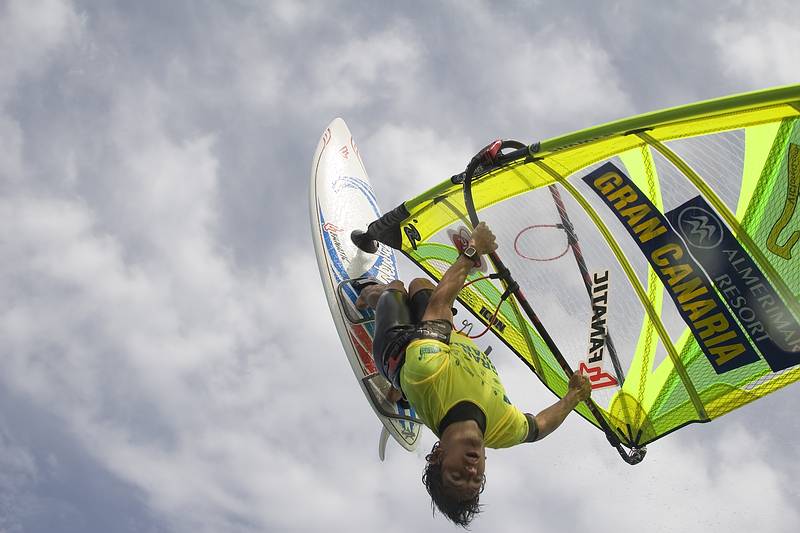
x=597 y=378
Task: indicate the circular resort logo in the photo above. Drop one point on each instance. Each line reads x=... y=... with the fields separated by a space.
x=700 y=227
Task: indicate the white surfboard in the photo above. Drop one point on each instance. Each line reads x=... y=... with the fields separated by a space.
x=342 y=201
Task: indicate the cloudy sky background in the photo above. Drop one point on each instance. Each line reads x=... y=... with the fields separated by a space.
x=168 y=360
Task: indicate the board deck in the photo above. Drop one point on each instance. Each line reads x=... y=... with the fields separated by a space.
x=342 y=200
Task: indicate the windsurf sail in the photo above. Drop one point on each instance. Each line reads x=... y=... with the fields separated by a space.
x=660 y=254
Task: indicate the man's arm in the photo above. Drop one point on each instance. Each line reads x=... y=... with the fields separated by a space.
x=552 y=417
x=441 y=302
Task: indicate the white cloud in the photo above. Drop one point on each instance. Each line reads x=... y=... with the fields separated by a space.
x=573 y=481
x=175 y=399
x=367 y=69
x=569 y=77
x=542 y=75
x=759 y=44
x=18 y=474
x=30 y=31
x=290 y=13
x=261 y=76
x=11 y=167
x=404 y=160
x=176 y=371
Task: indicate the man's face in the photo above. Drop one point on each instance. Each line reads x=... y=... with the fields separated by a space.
x=463 y=464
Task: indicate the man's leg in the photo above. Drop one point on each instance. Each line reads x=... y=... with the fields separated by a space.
x=393 y=328
x=419 y=294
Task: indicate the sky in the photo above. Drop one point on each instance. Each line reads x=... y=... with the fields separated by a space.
x=168 y=360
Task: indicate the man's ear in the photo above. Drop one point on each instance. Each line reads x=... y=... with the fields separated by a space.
x=436 y=454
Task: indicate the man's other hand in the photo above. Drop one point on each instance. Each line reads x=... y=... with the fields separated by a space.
x=579 y=385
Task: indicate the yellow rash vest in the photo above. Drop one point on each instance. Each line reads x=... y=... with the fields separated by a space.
x=436 y=377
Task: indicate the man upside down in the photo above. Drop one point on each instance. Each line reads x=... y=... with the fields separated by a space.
x=452 y=385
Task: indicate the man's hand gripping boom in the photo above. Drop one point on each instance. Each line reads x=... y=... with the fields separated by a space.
x=441 y=303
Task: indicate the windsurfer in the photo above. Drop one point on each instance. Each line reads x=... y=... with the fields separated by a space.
x=452 y=385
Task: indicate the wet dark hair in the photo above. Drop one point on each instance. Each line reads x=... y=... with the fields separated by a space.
x=460 y=512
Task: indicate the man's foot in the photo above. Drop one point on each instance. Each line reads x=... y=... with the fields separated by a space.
x=393 y=395
x=360 y=285
x=368 y=297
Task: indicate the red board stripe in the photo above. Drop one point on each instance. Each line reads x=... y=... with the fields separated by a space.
x=363 y=345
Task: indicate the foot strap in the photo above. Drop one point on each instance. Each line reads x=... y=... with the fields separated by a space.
x=359 y=284
x=348 y=300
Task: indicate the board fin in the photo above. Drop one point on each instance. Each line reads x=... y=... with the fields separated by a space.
x=382 y=444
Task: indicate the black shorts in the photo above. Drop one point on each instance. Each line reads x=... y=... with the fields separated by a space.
x=398 y=321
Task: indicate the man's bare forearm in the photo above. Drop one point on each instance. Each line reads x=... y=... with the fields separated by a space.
x=445 y=293
x=552 y=417
x=451 y=284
